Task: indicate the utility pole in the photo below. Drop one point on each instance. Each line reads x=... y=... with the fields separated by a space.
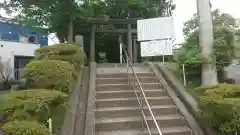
x=209 y=72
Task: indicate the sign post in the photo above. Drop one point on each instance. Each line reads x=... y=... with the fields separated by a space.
x=121 y=57
x=184 y=76
x=50 y=125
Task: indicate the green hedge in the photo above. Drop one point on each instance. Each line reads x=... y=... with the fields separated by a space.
x=220 y=106
x=25 y=128
x=37 y=105
x=49 y=74
x=65 y=52
x=29 y=104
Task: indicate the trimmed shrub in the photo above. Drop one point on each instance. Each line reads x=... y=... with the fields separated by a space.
x=25 y=128
x=65 y=52
x=49 y=74
x=34 y=105
x=220 y=106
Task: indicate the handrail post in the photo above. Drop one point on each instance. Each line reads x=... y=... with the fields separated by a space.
x=142 y=120
x=128 y=71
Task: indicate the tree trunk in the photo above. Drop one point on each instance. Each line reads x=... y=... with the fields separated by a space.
x=70 y=30
x=70 y=24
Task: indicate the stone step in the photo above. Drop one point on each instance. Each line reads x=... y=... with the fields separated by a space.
x=124 y=102
x=125 y=80
x=122 y=75
x=123 y=65
x=123 y=123
x=117 y=111
x=110 y=112
x=164 y=131
x=119 y=87
x=129 y=93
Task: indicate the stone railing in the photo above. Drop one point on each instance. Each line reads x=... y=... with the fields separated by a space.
x=73 y=124
x=187 y=99
x=90 y=114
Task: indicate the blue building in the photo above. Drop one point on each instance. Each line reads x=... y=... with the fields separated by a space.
x=11 y=31
x=18 y=44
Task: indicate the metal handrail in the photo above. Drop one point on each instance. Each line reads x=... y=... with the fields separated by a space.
x=142 y=96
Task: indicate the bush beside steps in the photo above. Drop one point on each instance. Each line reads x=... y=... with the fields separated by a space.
x=49 y=74
x=220 y=106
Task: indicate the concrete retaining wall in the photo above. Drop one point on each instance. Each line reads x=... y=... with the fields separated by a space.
x=190 y=103
x=73 y=124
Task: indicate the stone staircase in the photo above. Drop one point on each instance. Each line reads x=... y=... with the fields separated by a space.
x=117 y=111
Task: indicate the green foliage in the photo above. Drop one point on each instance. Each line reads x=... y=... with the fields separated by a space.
x=57 y=14
x=65 y=52
x=151 y=8
x=220 y=105
x=190 y=54
x=49 y=74
x=34 y=105
x=102 y=57
x=219 y=20
x=25 y=128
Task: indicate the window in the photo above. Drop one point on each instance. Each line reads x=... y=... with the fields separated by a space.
x=27 y=38
x=19 y=63
x=23 y=38
x=32 y=39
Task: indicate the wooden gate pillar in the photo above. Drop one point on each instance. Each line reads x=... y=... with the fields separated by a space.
x=135 y=50
x=130 y=50
x=92 y=43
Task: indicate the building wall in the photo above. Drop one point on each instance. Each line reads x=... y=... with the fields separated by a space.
x=10 y=49
x=233 y=72
x=15 y=41
x=12 y=32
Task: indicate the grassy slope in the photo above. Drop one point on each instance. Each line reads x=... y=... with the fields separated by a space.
x=174 y=68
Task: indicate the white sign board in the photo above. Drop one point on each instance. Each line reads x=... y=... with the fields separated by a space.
x=155 y=28
x=156 y=48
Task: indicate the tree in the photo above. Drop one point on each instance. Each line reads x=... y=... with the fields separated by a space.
x=136 y=8
x=5 y=73
x=50 y=14
x=57 y=18
x=189 y=54
x=57 y=15
x=54 y=15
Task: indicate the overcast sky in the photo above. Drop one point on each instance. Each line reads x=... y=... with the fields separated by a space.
x=186 y=8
